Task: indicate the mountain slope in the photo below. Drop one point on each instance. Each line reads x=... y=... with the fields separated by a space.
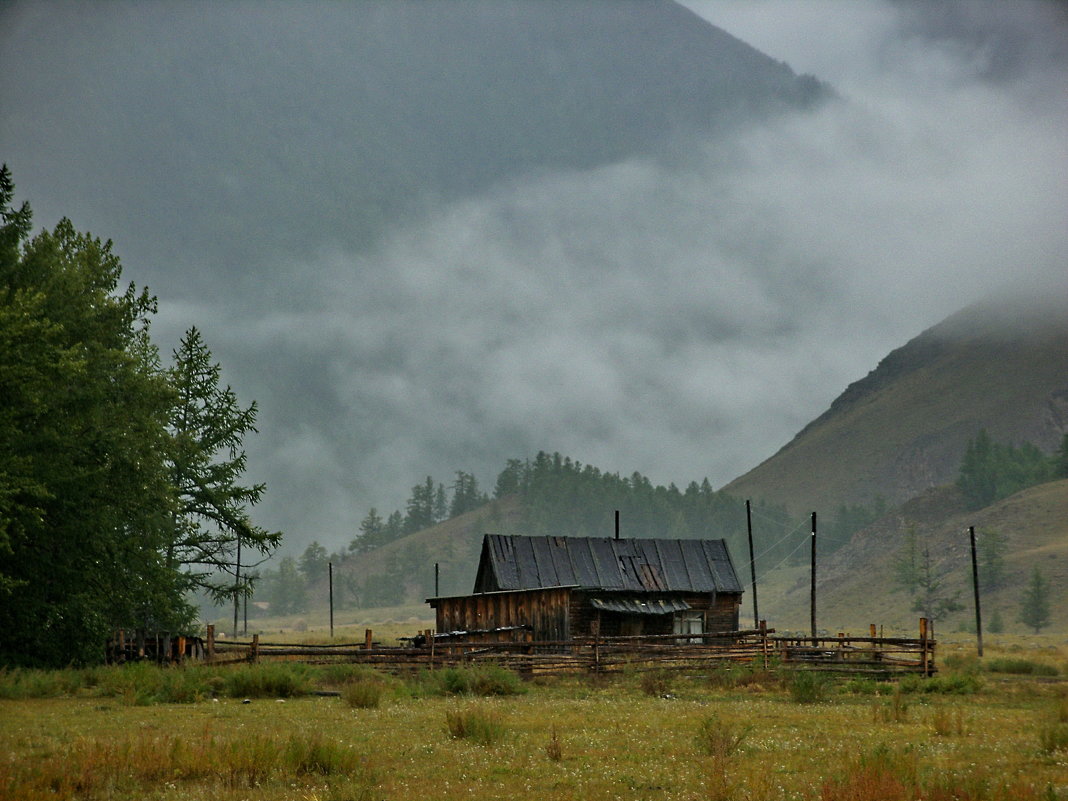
x=1000 y=365
x=331 y=120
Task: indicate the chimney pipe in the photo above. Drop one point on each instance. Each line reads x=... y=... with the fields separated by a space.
x=617 y=524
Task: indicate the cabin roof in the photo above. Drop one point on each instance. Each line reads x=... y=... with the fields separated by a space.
x=626 y=565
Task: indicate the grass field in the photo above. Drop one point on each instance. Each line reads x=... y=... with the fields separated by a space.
x=104 y=735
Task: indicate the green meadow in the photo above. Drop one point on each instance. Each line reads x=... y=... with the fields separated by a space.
x=992 y=731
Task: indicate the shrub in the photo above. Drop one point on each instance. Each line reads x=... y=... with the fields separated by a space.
x=363 y=694
x=880 y=775
x=729 y=675
x=1053 y=728
x=1053 y=736
x=1020 y=667
x=895 y=710
x=553 y=749
x=718 y=738
x=485 y=728
x=348 y=672
x=860 y=686
x=655 y=683
x=266 y=681
x=143 y=683
x=314 y=755
x=495 y=680
x=946 y=723
x=809 y=686
x=950 y=684
x=962 y=663
x=482 y=680
x=723 y=675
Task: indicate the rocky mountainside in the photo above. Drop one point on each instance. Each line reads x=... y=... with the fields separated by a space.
x=1001 y=365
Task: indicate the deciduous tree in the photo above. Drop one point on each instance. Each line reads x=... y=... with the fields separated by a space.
x=210 y=522
x=83 y=488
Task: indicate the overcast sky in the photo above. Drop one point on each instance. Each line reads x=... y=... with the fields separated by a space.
x=679 y=322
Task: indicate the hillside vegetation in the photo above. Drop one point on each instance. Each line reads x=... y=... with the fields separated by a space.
x=856 y=585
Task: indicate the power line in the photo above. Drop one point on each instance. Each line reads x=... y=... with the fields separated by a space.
x=782 y=539
x=787 y=557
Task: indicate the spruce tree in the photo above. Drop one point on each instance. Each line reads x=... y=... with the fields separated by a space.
x=1034 y=609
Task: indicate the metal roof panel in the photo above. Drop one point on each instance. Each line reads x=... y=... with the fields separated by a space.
x=633 y=565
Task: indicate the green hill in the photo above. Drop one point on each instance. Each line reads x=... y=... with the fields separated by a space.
x=855 y=585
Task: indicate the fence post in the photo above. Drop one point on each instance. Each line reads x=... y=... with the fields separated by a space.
x=367 y=637
x=254 y=649
x=923 y=645
x=596 y=626
x=430 y=639
x=764 y=641
x=211 y=642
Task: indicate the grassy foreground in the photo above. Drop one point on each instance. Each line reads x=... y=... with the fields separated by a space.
x=742 y=735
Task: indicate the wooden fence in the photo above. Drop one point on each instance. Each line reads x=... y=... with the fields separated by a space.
x=877 y=656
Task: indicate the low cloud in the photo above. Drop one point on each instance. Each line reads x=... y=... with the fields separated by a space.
x=679 y=322
x=681 y=319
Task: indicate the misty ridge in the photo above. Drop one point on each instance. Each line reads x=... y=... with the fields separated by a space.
x=430 y=237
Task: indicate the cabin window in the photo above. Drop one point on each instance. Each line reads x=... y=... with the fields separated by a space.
x=690 y=623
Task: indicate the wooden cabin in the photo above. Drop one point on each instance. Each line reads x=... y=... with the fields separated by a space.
x=557 y=588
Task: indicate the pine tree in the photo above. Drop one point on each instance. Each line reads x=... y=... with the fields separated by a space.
x=1034 y=610
x=372 y=533
x=420 y=508
x=932 y=600
x=441 y=504
x=285 y=589
x=313 y=562
x=1060 y=459
x=907 y=563
x=997 y=626
x=977 y=478
x=991 y=547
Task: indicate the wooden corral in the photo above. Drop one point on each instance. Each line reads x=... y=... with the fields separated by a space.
x=139 y=645
x=875 y=656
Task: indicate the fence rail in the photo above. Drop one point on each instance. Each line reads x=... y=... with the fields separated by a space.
x=843 y=654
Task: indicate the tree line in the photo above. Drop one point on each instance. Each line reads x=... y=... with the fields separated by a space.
x=988 y=472
x=120 y=476
x=561 y=495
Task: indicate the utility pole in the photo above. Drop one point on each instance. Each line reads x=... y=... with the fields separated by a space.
x=812 y=600
x=752 y=561
x=330 y=580
x=237 y=585
x=975 y=586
